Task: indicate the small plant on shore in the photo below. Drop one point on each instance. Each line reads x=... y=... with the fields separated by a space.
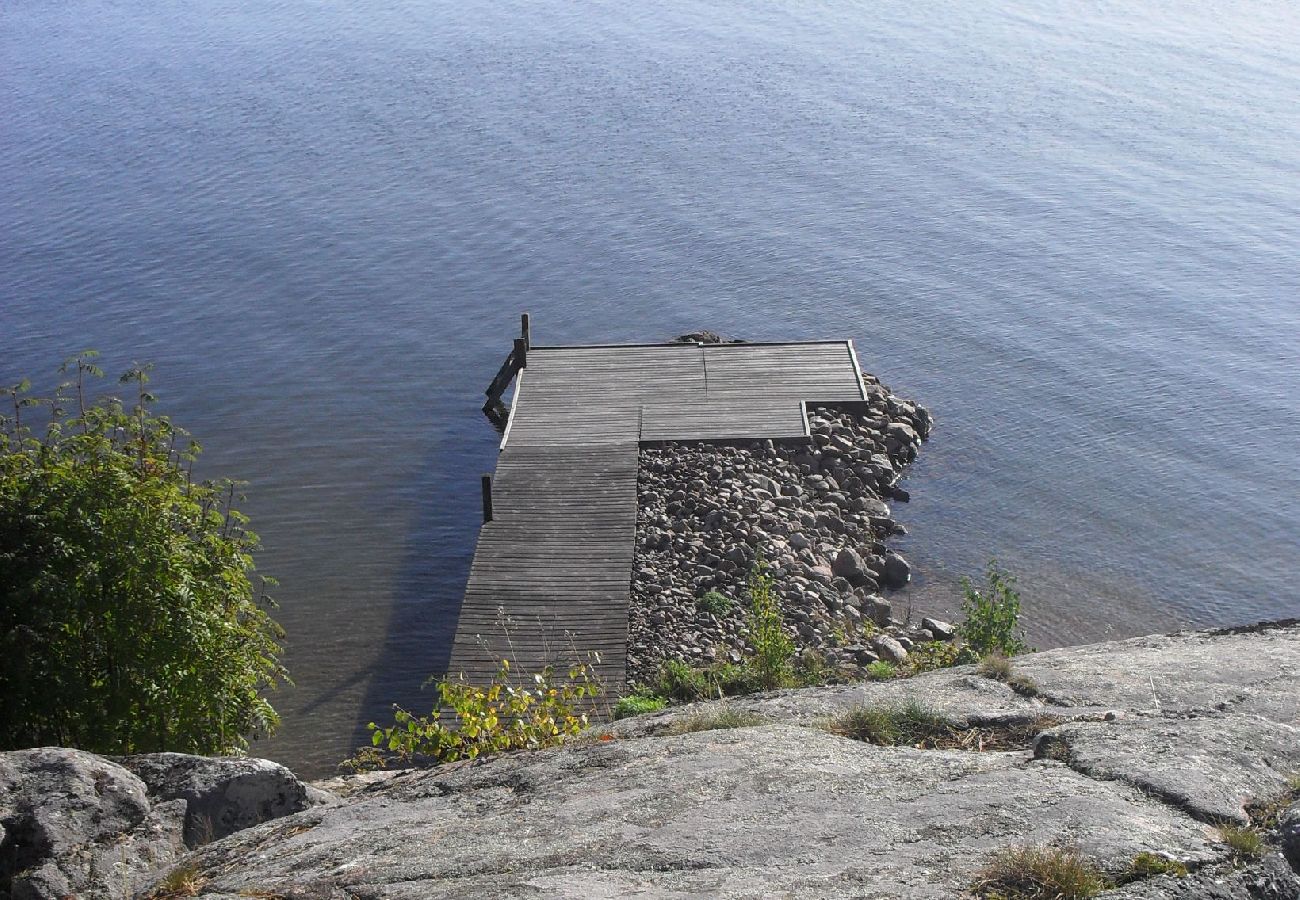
x=812 y=668
x=1245 y=842
x=638 y=704
x=1039 y=873
x=992 y=617
x=502 y=715
x=713 y=720
x=715 y=603
x=881 y=670
x=930 y=656
x=772 y=647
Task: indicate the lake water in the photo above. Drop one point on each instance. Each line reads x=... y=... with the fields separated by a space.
x=1072 y=230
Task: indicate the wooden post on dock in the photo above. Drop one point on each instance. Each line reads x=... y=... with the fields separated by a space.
x=487 y=499
x=521 y=353
x=525 y=329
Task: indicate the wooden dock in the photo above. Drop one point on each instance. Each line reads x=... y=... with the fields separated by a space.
x=556 y=558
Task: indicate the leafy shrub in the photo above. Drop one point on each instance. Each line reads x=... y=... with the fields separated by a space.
x=992 y=617
x=681 y=683
x=1039 y=873
x=812 y=668
x=773 y=648
x=492 y=718
x=881 y=670
x=713 y=720
x=129 y=620
x=714 y=603
x=638 y=704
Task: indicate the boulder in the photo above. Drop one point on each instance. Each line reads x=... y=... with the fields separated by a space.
x=78 y=825
x=889 y=648
x=222 y=794
x=941 y=630
x=896 y=572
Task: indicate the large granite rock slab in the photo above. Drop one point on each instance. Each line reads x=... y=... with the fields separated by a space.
x=77 y=825
x=759 y=811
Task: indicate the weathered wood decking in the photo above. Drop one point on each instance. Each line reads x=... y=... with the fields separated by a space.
x=557 y=557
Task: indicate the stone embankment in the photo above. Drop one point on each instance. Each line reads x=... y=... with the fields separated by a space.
x=817 y=514
x=1132 y=749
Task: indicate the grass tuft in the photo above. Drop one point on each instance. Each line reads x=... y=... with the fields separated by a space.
x=1245 y=843
x=183 y=881
x=1039 y=873
x=714 y=720
x=911 y=724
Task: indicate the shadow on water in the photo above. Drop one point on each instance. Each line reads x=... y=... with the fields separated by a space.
x=430 y=585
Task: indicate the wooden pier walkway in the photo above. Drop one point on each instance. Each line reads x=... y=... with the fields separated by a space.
x=556 y=558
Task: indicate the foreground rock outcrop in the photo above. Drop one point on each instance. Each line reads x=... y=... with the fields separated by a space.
x=74 y=824
x=1142 y=746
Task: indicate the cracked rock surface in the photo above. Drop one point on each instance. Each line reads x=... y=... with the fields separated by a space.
x=784 y=808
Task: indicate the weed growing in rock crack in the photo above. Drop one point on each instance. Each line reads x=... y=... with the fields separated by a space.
x=992 y=623
x=1039 y=873
x=880 y=670
x=1149 y=865
x=1245 y=842
x=1265 y=814
x=713 y=720
x=715 y=603
x=1000 y=668
x=638 y=704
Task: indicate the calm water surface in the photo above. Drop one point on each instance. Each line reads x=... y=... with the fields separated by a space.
x=1071 y=230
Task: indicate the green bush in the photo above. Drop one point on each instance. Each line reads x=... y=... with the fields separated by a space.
x=881 y=670
x=932 y=655
x=536 y=712
x=714 y=602
x=129 y=619
x=638 y=704
x=992 y=617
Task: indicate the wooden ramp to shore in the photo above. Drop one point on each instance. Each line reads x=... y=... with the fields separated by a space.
x=556 y=558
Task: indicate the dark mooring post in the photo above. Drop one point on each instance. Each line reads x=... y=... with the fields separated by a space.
x=526 y=331
x=521 y=353
x=487 y=499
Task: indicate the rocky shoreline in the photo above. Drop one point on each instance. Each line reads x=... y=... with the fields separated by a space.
x=815 y=513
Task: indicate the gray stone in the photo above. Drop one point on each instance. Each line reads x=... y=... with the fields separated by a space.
x=1289 y=834
x=941 y=630
x=889 y=648
x=848 y=564
x=222 y=794
x=1268 y=879
x=76 y=824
